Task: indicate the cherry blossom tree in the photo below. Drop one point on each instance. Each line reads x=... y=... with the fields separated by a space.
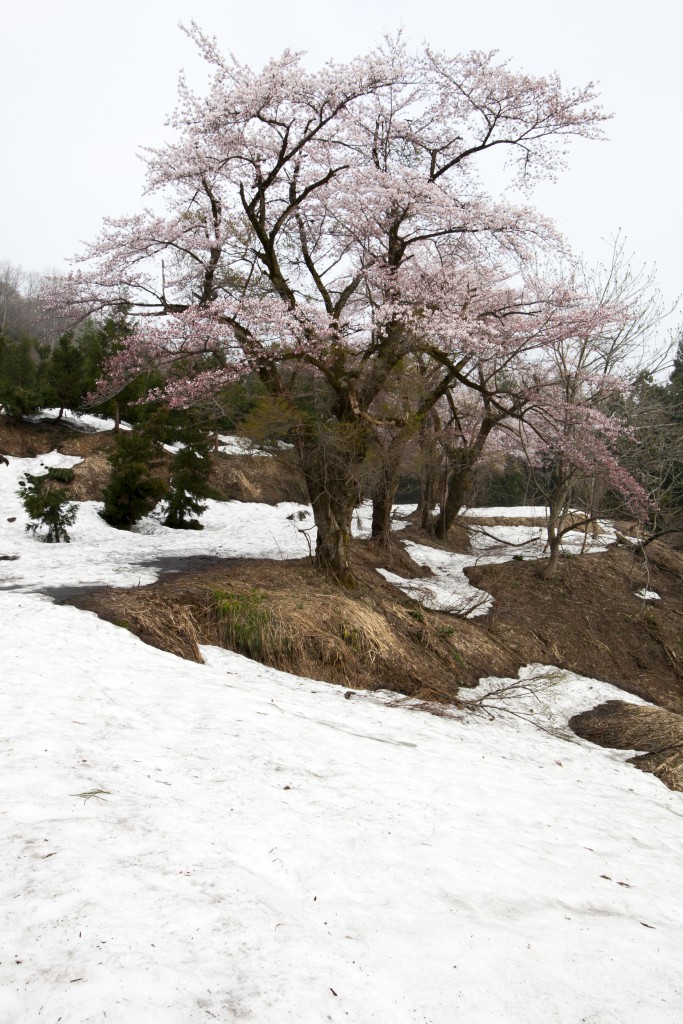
x=334 y=222
x=577 y=423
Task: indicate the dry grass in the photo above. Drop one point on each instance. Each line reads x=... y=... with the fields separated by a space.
x=233 y=477
x=91 y=477
x=290 y=616
x=27 y=440
x=287 y=615
x=633 y=727
x=487 y=521
x=248 y=478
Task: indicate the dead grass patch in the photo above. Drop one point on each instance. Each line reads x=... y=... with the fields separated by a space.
x=487 y=521
x=246 y=478
x=91 y=477
x=286 y=614
x=458 y=539
x=632 y=727
x=233 y=477
x=28 y=440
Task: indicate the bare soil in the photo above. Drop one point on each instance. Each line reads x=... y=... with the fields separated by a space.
x=588 y=620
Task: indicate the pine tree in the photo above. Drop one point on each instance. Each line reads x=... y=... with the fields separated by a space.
x=64 y=388
x=20 y=386
x=133 y=490
x=47 y=505
x=189 y=478
x=674 y=391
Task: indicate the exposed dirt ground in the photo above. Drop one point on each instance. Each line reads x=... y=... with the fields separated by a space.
x=588 y=620
x=630 y=727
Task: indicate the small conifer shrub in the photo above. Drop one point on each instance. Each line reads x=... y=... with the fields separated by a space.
x=47 y=505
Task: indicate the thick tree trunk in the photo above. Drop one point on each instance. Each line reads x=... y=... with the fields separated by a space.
x=383 y=495
x=550 y=567
x=333 y=545
x=457 y=491
x=333 y=496
x=426 y=503
x=117 y=417
x=459 y=482
x=427 y=497
x=382 y=505
x=429 y=462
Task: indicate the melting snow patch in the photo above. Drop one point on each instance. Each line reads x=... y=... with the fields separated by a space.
x=79 y=420
x=230 y=444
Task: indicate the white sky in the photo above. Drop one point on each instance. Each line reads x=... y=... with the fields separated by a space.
x=84 y=84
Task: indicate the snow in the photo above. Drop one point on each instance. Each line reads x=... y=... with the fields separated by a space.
x=99 y=555
x=233 y=444
x=507 y=512
x=648 y=595
x=184 y=843
x=448 y=588
x=78 y=420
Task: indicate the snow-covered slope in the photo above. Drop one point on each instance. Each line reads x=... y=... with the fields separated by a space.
x=187 y=843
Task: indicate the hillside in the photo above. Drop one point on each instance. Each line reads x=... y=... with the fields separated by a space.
x=191 y=835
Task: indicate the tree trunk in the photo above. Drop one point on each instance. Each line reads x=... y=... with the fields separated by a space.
x=383 y=496
x=550 y=567
x=333 y=545
x=556 y=506
x=333 y=496
x=117 y=417
x=429 y=462
x=427 y=497
x=457 y=492
x=426 y=503
x=459 y=483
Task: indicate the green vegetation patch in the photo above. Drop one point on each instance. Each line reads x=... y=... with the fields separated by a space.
x=247 y=625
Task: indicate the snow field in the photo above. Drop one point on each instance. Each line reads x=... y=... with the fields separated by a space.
x=422 y=868
x=184 y=843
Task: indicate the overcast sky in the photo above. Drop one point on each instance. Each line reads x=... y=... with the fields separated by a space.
x=85 y=83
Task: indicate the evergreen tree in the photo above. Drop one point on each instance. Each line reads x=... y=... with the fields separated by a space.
x=97 y=343
x=20 y=376
x=47 y=505
x=189 y=481
x=64 y=385
x=674 y=390
x=133 y=490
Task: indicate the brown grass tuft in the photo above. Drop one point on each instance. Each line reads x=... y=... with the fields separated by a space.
x=633 y=727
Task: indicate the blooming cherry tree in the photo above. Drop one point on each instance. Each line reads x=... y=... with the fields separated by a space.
x=334 y=222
